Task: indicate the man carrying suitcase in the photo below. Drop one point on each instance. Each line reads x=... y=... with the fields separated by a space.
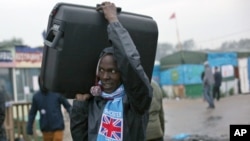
x=117 y=108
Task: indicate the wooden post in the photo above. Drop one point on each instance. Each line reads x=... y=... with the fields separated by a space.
x=16 y=121
x=8 y=123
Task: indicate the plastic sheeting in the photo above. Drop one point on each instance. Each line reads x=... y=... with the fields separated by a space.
x=183 y=57
x=243 y=72
x=220 y=59
x=156 y=73
x=248 y=63
x=172 y=76
x=183 y=74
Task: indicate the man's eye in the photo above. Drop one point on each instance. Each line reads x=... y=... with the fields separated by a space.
x=101 y=70
x=113 y=71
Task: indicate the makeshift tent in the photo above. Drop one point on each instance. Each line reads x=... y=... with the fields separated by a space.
x=187 y=75
x=243 y=72
x=243 y=54
x=183 y=57
x=223 y=58
x=182 y=75
x=248 y=64
x=183 y=68
x=180 y=68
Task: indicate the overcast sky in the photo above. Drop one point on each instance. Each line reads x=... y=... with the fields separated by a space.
x=207 y=22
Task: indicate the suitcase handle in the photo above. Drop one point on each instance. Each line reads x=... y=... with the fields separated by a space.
x=53 y=36
x=118 y=9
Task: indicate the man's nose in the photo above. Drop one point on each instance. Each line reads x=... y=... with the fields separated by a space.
x=106 y=75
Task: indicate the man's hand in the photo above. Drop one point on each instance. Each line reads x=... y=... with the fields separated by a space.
x=110 y=11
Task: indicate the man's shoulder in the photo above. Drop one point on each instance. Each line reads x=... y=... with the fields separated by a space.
x=37 y=93
x=218 y=73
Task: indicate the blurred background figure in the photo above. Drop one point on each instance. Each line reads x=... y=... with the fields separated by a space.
x=51 y=117
x=217 y=84
x=2 y=113
x=203 y=91
x=155 y=128
x=208 y=82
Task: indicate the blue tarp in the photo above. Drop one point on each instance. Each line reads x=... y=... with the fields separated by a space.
x=219 y=59
x=173 y=76
x=192 y=74
x=183 y=74
x=248 y=69
x=156 y=73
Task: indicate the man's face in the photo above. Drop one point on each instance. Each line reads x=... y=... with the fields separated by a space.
x=109 y=74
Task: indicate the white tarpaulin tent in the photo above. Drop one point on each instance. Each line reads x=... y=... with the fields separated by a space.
x=243 y=73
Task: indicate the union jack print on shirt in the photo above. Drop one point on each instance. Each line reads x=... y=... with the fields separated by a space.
x=111 y=128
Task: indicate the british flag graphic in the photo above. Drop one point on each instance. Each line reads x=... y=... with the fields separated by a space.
x=111 y=128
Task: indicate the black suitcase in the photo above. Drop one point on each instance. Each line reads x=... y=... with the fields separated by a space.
x=76 y=35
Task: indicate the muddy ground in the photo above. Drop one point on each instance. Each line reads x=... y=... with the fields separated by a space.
x=190 y=118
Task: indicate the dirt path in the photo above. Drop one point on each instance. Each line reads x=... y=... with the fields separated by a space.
x=191 y=116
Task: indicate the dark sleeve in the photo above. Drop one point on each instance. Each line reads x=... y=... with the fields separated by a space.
x=202 y=76
x=2 y=108
x=205 y=77
x=32 y=115
x=220 y=76
x=79 y=121
x=65 y=103
x=161 y=115
x=158 y=93
x=135 y=80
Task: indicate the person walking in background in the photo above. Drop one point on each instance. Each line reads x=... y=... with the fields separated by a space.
x=156 y=123
x=208 y=82
x=217 y=84
x=116 y=109
x=51 y=117
x=203 y=89
x=2 y=113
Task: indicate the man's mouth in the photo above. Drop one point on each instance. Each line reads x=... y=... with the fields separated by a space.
x=107 y=85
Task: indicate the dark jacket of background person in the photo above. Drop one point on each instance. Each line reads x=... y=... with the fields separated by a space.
x=217 y=84
x=49 y=106
x=217 y=79
x=2 y=113
x=202 y=75
x=86 y=115
x=155 y=128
